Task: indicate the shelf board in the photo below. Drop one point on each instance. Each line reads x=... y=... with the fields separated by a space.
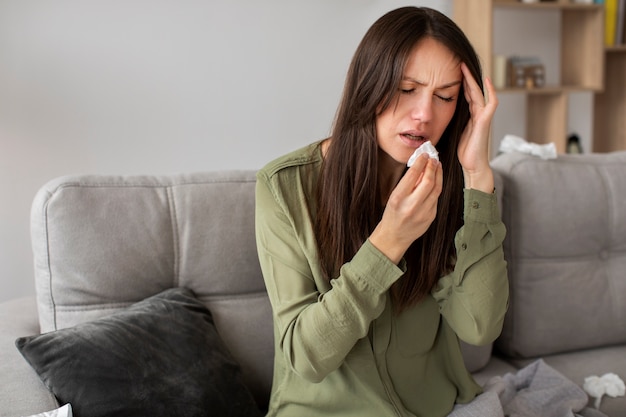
x=547 y=90
x=546 y=5
x=616 y=48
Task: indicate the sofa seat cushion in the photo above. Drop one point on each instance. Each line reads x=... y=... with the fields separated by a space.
x=566 y=252
x=21 y=391
x=159 y=357
x=495 y=367
x=579 y=365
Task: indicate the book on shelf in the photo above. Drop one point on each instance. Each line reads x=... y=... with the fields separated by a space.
x=619 y=27
x=614 y=23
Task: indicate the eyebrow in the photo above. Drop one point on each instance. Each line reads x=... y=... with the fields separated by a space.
x=441 y=87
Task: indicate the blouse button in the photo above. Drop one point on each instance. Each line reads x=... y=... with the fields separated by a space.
x=475 y=205
x=464 y=246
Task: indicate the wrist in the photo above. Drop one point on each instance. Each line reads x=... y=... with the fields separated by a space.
x=388 y=247
x=481 y=181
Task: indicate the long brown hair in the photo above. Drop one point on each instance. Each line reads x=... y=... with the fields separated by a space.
x=349 y=207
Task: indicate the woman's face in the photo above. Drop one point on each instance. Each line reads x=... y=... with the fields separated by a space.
x=425 y=101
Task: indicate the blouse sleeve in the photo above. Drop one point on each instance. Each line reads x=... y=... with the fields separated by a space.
x=316 y=328
x=473 y=299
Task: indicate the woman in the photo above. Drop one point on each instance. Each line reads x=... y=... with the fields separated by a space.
x=375 y=271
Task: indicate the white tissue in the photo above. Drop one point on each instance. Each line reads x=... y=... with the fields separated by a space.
x=608 y=384
x=512 y=143
x=426 y=147
x=65 y=411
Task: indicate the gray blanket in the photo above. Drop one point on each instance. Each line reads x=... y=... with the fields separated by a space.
x=534 y=391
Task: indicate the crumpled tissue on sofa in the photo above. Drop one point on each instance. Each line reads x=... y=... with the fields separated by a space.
x=512 y=143
x=608 y=384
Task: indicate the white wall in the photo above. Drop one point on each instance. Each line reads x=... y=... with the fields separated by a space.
x=160 y=86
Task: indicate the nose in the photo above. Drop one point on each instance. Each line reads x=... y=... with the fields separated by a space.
x=422 y=108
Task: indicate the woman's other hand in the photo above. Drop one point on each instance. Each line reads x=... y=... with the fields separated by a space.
x=411 y=208
x=473 y=151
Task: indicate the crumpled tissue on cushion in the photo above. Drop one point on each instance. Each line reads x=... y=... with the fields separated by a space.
x=608 y=384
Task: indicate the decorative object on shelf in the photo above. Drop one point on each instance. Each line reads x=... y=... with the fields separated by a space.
x=500 y=71
x=526 y=72
x=573 y=144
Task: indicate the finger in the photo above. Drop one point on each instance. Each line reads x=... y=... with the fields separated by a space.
x=420 y=163
x=468 y=77
x=412 y=176
x=428 y=181
x=417 y=169
x=473 y=92
x=427 y=196
x=466 y=86
x=491 y=96
x=439 y=184
x=433 y=198
x=437 y=180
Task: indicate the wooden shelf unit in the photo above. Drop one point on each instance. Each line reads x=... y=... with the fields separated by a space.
x=581 y=59
x=609 y=129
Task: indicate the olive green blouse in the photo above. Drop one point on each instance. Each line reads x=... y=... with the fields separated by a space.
x=340 y=349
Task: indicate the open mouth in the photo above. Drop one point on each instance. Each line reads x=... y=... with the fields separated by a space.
x=414 y=138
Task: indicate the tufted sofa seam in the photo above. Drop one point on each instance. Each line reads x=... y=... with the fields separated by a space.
x=175 y=237
x=612 y=220
x=261 y=294
x=48 y=265
x=602 y=175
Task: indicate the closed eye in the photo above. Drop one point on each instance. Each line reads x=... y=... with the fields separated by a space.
x=446 y=99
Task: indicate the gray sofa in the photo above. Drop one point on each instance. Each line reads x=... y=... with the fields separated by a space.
x=102 y=243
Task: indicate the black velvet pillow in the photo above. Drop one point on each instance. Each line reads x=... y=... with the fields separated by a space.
x=159 y=357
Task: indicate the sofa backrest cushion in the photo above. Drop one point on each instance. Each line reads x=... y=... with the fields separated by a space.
x=102 y=243
x=566 y=252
